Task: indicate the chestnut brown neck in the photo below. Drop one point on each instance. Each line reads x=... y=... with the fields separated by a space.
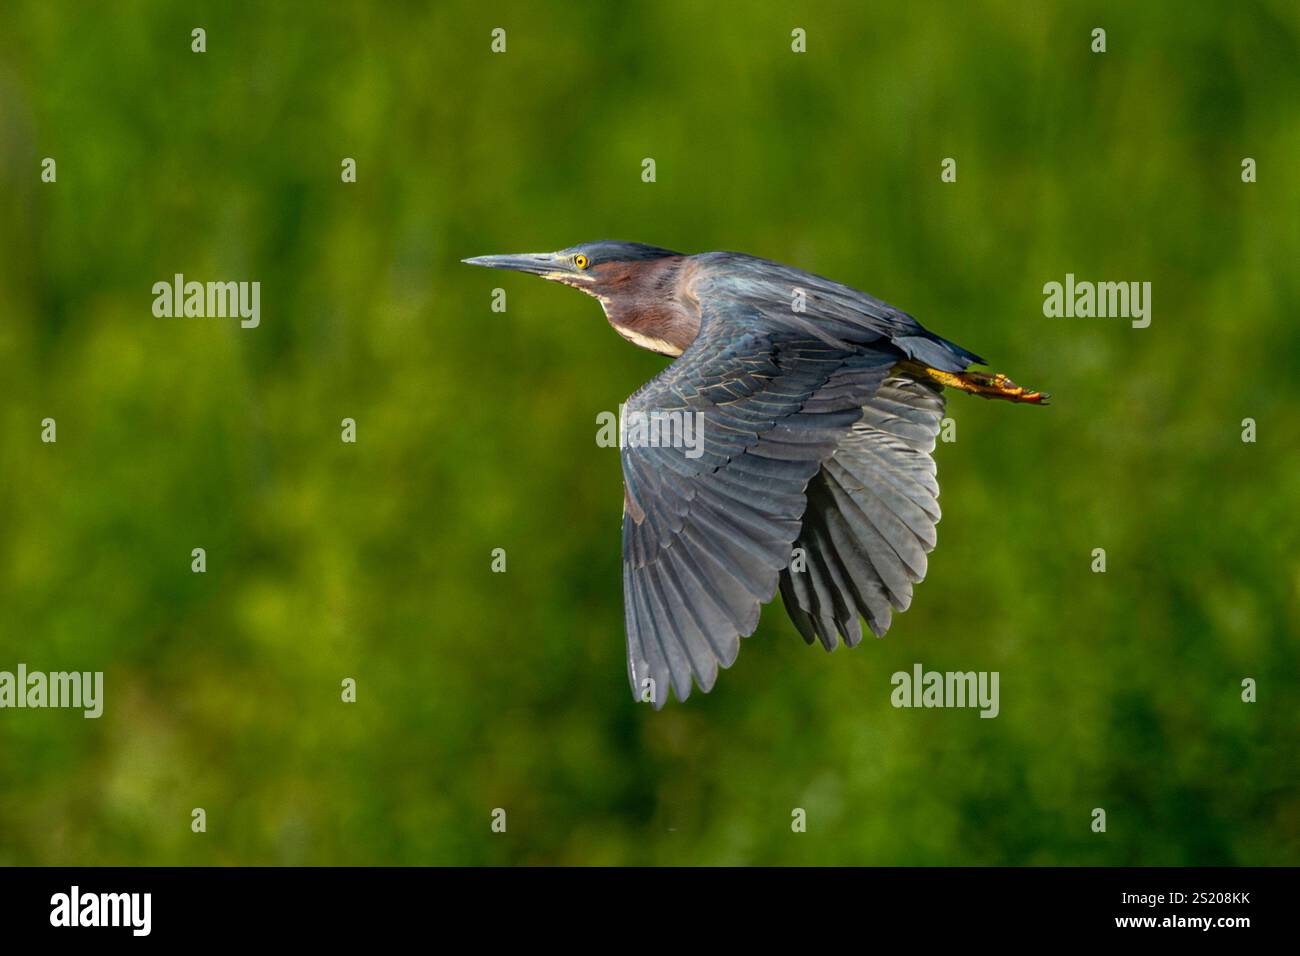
x=648 y=303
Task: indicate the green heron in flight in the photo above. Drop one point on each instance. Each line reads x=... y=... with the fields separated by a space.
x=818 y=406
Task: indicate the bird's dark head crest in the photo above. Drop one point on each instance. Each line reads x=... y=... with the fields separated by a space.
x=609 y=250
x=636 y=285
x=590 y=266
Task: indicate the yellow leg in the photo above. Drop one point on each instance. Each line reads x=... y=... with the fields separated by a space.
x=982 y=384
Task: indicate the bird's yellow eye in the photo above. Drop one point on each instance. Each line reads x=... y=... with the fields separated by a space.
x=580 y=261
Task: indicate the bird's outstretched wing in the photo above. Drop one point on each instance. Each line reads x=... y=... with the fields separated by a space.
x=705 y=538
x=870 y=521
x=784 y=365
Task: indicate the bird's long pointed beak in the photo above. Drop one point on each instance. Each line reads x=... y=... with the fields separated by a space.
x=534 y=263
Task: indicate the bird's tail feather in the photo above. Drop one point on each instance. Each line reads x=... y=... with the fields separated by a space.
x=937 y=352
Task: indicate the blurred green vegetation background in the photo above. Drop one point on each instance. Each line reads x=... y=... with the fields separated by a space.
x=476 y=429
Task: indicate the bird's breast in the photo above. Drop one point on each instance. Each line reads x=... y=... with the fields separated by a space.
x=662 y=346
x=664 y=329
